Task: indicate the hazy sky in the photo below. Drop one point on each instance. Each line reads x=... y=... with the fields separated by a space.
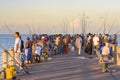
x=48 y=16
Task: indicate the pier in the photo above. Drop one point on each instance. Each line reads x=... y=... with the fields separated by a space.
x=69 y=67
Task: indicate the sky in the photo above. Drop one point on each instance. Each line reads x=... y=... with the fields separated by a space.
x=58 y=16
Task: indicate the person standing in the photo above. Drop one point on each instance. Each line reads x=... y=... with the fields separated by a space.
x=89 y=45
x=17 y=50
x=105 y=56
x=96 y=41
x=51 y=46
x=65 y=46
x=38 y=53
x=78 y=44
x=28 y=50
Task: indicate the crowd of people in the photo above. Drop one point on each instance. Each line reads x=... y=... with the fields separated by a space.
x=43 y=47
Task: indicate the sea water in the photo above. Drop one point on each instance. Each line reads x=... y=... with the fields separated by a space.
x=7 y=41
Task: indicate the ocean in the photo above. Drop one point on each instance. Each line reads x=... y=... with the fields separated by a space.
x=7 y=41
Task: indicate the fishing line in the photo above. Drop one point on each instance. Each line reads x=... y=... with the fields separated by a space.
x=23 y=66
x=111 y=27
x=29 y=30
x=9 y=30
x=99 y=28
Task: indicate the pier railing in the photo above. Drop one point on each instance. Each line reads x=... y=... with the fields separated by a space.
x=7 y=67
x=7 y=58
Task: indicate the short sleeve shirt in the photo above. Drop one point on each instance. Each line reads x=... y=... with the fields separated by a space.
x=96 y=41
x=17 y=41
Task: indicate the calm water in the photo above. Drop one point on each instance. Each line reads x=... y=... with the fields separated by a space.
x=7 y=41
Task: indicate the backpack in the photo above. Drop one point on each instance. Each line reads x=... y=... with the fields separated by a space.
x=22 y=46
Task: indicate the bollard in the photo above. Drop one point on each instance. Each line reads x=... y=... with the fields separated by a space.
x=11 y=57
x=118 y=55
x=4 y=59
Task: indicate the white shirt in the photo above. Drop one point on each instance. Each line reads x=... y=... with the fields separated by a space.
x=95 y=41
x=17 y=41
x=105 y=51
x=78 y=42
x=57 y=40
x=38 y=50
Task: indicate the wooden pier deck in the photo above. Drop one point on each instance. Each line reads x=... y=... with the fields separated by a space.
x=68 y=67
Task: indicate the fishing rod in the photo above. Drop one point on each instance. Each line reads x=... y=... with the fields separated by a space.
x=99 y=28
x=104 y=25
x=82 y=23
x=66 y=25
x=83 y=20
x=16 y=61
x=9 y=30
x=111 y=27
x=104 y=30
x=29 y=30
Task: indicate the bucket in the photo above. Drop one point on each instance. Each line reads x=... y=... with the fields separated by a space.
x=12 y=68
x=9 y=73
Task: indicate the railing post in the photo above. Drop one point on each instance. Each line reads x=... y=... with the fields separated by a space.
x=118 y=55
x=11 y=57
x=4 y=59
